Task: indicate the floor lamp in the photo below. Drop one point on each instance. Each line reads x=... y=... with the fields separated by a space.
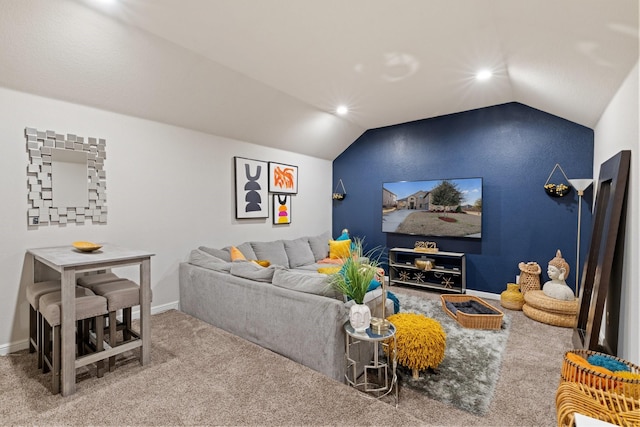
x=580 y=185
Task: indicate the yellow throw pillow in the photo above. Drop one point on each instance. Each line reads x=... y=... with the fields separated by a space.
x=329 y=270
x=262 y=262
x=236 y=254
x=339 y=248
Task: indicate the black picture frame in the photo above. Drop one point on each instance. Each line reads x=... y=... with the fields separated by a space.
x=251 y=188
x=281 y=209
x=283 y=178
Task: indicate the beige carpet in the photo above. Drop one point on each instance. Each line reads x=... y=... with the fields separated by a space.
x=201 y=375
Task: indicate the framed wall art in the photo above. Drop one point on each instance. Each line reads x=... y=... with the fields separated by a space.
x=283 y=178
x=281 y=209
x=251 y=183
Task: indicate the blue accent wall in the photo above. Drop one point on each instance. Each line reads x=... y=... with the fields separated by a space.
x=513 y=148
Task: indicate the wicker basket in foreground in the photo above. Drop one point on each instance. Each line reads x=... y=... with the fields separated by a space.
x=605 y=397
x=602 y=405
x=573 y=372
x=474 y=321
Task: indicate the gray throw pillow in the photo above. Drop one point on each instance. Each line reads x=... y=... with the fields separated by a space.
x=320 y=245
x=220 y=253
x=271 y=251
x=205 y=260
x=253 y=271
x=311 y=283
x=299 y=252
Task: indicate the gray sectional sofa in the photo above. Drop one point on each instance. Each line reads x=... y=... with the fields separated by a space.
x=286 y=307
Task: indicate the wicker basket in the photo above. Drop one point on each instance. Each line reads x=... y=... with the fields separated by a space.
x=529 y=276
x=606 y=406
x=605 y=397
x=573 y=372
x=474 y=321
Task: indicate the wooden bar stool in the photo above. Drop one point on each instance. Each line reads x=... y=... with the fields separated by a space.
x=89 y=280
x=121 y=295
x=88 y=306
x=34 y=291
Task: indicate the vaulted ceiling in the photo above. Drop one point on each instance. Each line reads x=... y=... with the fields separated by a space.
x=272 y=72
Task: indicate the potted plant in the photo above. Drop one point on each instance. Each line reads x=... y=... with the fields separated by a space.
x=354 y=279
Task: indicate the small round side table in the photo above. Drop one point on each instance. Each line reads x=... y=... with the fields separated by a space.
x=384 y=370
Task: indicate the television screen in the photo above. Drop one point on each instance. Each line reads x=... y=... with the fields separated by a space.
x=444 y=208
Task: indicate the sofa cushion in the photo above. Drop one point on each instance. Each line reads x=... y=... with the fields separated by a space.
x=311 y=283
x=206 y=260
x=320 y=245
x=223 y=254
x=339 y=249
x=271 y=251
x=253 y=271
x=299 y=252
x=247 y=251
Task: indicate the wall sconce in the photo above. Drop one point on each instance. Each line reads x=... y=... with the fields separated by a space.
x=580 y=185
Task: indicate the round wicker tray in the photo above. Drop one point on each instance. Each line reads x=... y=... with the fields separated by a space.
x=553 y=319
x=537 y=299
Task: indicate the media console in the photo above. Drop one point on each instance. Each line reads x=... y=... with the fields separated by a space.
x=447 y=273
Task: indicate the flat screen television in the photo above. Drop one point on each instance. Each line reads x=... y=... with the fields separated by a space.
x=442 y=208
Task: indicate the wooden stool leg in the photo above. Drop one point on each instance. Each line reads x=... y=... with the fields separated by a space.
x=45 y=346
x=56 y=354
x=126 y=319
x=79 y=338
x=99 y=328
x=33 y=330
x=112 y=338
x=40 y=327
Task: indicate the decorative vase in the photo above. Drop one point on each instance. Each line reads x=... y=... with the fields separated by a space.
x=512 y=298
x=360 y=317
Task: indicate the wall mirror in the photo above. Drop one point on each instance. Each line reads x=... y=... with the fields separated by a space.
x=602 y=274
x=69 y=183
x=66 y=179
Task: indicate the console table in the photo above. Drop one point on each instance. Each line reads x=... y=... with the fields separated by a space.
x=448 y=273
x=67 y=261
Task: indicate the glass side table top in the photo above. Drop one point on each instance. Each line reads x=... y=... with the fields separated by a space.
x=369 y=335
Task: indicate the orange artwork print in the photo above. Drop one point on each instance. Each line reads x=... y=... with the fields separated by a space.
x=283 y=177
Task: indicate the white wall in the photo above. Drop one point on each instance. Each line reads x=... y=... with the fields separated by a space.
x=169 y=190
x=618 y=129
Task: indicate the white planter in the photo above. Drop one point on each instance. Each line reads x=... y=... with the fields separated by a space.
x=359 y=317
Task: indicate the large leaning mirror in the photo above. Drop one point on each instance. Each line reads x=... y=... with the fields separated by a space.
x=66 y=178
x=602 y=274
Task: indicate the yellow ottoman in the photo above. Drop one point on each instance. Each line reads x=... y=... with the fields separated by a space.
x=421 y=341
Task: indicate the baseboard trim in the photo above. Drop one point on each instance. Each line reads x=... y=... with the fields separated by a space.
x=481 y=294
x=135 y=314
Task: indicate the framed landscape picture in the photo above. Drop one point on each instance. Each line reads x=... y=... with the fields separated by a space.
x=283 y=178
x=251 y=183
x=281 y=209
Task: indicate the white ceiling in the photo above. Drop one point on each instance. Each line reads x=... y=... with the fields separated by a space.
x=271 y=72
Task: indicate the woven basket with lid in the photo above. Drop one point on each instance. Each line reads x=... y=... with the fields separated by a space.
x=529 y=276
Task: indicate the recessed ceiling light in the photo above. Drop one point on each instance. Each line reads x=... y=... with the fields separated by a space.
x=484 y=75
x=342 y=110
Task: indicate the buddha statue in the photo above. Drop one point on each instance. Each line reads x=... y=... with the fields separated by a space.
x=556 y=287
